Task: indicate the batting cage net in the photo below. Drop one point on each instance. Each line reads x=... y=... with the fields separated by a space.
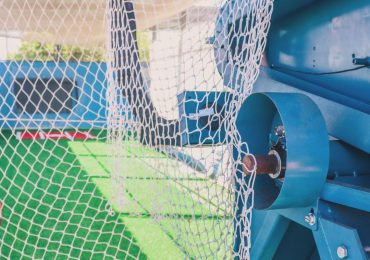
x=117 y=127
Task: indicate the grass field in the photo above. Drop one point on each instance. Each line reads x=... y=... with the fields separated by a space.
x=55 y=196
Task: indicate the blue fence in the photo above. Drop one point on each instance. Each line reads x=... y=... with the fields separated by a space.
x=85 y=95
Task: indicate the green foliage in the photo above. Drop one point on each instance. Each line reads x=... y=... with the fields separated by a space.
x=53 y=52
x=143 y=45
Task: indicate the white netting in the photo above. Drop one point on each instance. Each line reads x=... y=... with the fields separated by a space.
x=118 y=136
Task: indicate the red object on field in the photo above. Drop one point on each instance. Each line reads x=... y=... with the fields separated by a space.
x=79 y=135
x=28 y=135
x=54 y=135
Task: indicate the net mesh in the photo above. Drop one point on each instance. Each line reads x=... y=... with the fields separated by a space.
x=117 y=127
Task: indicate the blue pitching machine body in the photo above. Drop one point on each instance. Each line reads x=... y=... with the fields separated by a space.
x=308 y=126
x=202 y=117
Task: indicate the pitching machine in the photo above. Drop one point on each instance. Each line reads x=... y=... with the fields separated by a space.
x=307 y=126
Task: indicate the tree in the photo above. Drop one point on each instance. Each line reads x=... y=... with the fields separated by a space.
x=143 y=46
x=55 y=52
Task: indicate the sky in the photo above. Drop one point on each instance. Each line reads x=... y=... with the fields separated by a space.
x=11 y=44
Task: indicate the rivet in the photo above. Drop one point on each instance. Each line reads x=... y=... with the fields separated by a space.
x=310 y=219
x=342 y=252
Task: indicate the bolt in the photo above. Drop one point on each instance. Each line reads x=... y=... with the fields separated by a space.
x=342 y=252
x=310 y=219
x=280 y=131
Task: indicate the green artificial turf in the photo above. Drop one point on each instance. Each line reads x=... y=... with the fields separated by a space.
x=55 y=195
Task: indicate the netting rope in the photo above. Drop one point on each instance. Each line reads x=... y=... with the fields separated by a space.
x=100 y=156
